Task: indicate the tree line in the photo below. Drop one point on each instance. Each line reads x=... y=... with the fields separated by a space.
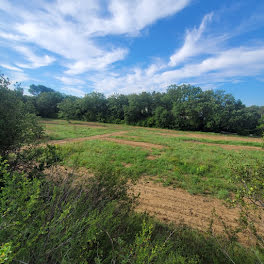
x=182 y=107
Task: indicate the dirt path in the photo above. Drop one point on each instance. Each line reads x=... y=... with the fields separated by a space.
x=72 y=140
x=216 y=137
x=228 y=147
x=107 y=137
x=224 y=146
x=179 y=206
x=143 y=145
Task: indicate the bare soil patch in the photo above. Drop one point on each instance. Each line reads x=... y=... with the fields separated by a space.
x=107 y=137
x=180 y=207
x=72 y=140
x=126 y=165
x=228 y=147
x=213 y=137
x=152 y=157
x=144 y=145
x=170 y=205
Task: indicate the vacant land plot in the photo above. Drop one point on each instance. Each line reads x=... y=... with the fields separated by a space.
x=189 y=162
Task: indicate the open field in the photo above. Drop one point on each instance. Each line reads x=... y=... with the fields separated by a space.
x=177 y=165
x=196 y=162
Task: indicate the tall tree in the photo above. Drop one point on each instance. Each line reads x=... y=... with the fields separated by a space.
x=38 y=89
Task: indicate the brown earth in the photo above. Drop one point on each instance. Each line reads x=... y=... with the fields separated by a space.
x=224 y=146
x=180 y=207
x=228 y=147
x=72 y=140
x=126 y=165
x=144 y=145
x=107 y=137
x=215 y=137
x=152 y=157
x=172 y=205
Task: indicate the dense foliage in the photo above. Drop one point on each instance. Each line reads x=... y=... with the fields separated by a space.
x=182 y=107
x=18 y=125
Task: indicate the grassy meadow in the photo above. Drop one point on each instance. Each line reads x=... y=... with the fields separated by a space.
x=183 y=159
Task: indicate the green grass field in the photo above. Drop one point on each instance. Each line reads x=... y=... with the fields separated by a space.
x=198 y=168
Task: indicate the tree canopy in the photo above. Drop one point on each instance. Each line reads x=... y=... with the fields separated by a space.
x=183 y=107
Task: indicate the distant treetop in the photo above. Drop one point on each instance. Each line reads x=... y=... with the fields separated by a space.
x=38 y=89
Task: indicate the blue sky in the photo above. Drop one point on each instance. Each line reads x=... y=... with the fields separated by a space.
x=126 y=46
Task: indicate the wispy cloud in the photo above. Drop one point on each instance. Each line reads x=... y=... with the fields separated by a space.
x=69 y=28
x=12 y=68
x=78 y=40
x=34 y=60
x=70 y=80
x=73 y=91
x=193 y=43
x=188 y=64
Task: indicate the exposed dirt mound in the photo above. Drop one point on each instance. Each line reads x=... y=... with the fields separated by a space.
x=178 y=206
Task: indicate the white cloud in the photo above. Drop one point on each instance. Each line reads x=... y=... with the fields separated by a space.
x=73 y=91
x=70 y=81
x=193 y=44
x=35 y=61
x=228 y=65
x=97 y=63
x=12 y=68
x=68 y=28
x=19 y=77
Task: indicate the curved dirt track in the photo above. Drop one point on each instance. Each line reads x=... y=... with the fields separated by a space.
x=72 y=140
x=179 y=206
x=107 y=137
x=215 y=137
x=228 y=147
x=224 y=146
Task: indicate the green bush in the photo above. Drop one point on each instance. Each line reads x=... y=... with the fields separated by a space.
x=17 y=125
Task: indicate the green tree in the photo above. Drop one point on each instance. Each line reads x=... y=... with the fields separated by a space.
x=17 y=125
x=115 y=106
x=69 y=108
x=94 y=107
x=47 y=104
x=38 y=89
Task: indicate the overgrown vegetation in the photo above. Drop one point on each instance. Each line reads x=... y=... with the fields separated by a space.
x=183 y=107
x=44 y=221
x=18 y=125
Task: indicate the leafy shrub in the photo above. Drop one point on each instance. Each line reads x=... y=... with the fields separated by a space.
x=17 y=125
x=51 y=222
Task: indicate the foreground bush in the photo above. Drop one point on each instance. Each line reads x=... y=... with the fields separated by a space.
x=59 y=221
